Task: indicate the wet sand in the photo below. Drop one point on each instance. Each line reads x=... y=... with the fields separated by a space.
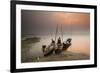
x=65 y=56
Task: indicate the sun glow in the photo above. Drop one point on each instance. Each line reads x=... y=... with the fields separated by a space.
x=73 y=18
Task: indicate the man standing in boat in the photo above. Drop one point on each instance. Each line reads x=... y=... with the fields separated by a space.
x=59 y=42
x=59 y=46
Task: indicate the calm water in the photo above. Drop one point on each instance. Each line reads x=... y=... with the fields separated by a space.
x=80 y=44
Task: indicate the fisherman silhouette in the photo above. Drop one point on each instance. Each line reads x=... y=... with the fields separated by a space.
x=67 y=44
x=44 y=48
x=50 y=49
x=53 y=42
x=59 y=46
x=59 y=41
x=68 y=40
x=53 y=46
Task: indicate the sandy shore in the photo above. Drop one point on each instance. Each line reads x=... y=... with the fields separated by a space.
x=65 y=56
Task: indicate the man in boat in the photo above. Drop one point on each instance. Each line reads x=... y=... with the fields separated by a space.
x=53 y=43
x=59 y=46
x=59 y=41
x=44 y=48
x=50 y=49
x=69 y=41
x=67 y=44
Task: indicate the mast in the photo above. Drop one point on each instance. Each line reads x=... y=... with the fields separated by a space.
x=61 y=33
x=56 y=32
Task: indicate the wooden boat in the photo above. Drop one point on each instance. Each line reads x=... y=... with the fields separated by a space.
x=56 y=47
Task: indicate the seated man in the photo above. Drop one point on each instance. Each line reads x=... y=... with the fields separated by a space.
x=53 y=43
x=47 y=51
x=69 y=41
x=59 y=46
x=44 y=48
x=67 y=44
x=59 y=41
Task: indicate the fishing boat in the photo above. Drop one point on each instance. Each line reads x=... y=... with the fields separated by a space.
x=56 y=46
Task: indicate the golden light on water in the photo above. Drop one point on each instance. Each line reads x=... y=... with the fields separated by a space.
x=81 y=44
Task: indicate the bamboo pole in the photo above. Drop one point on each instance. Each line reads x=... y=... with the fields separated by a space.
x=56 y=32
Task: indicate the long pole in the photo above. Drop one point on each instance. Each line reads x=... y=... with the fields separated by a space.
x=56 y=32
x=61 y=32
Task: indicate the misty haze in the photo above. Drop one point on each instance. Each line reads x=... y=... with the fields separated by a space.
x=39 y=28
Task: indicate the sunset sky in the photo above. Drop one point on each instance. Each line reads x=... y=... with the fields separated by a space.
x=37 y=22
